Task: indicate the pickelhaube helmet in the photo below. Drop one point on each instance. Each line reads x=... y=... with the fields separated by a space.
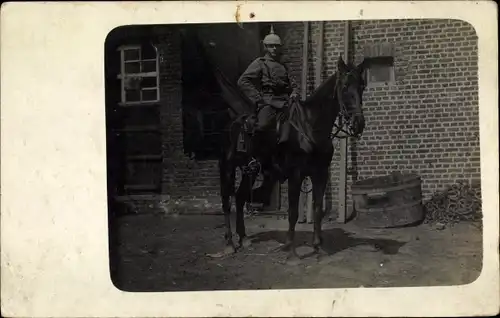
x=272 y=38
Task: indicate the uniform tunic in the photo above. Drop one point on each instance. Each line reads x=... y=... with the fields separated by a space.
x=268 y=85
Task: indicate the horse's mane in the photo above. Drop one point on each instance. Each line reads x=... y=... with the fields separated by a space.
x=310 y=116
x=326 y=88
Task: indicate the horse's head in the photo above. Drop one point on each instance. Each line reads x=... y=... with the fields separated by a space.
x=349 y=91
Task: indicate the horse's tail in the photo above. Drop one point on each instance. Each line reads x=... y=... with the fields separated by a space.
x=234 y=132
x=227 y=178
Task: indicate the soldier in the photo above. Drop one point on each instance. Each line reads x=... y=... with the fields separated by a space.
x=269 y=86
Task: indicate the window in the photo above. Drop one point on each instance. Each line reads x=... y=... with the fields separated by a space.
x=381 y=64
x=380 y=71
x=139 y=74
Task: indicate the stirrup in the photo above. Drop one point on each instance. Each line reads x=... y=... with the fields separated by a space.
x=253 y=166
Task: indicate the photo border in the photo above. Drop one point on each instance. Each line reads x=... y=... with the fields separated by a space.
x=54 y=227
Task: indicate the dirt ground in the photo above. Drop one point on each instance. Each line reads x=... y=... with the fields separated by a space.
x=169 y=253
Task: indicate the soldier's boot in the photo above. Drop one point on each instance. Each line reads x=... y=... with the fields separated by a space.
x=283 y=133
x=279 y=162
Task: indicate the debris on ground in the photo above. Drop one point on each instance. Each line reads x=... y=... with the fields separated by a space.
x=459 y=202
x=439 y=226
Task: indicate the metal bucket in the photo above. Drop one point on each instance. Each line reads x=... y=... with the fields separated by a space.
x=389 y=201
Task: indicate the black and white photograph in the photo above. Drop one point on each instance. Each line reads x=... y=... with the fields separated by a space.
x=283 y=155
x=249 y=158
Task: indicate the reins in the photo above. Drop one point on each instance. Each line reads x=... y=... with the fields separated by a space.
x=343 y=115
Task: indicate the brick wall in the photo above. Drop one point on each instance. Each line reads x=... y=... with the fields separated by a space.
x=427 y=122
x=433 y=107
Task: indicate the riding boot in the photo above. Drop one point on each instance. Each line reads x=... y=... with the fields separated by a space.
x=279 y=163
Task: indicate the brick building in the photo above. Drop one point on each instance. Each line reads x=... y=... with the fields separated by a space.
x=421 y=106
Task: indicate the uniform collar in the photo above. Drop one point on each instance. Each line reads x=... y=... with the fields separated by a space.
x=270 y=58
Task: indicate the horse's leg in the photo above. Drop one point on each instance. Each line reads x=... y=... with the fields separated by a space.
x=294 y=184
x=319 y=180
x=226 y=187
x=243 y=196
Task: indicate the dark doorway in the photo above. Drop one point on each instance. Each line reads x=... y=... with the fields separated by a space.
x=231 y=48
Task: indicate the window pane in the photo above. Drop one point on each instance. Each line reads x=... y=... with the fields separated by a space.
x=132 y=95
x=149 y=66
x=132 y=83
x=148 y=52
x=149 y=95
x=132 y=54
x=149 y=82
x=380 y=73
x=133 y=67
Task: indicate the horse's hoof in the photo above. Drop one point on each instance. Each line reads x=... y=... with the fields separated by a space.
x=245 y=242
x=229 y=250
x=283 y=248
x=293 y=259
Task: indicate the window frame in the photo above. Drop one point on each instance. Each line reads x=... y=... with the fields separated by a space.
x=122 y=76
x=376 y=53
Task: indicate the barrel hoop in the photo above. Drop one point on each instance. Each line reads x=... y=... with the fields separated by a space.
x=374 y=210
x=404 y=180
x=381 y=189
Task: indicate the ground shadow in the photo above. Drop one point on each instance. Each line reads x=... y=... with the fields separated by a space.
x=155 y=254
x=334 y=241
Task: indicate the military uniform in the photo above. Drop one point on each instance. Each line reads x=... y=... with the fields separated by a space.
x=268 y=85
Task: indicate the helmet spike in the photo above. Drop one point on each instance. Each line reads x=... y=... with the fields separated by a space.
x=272 y=38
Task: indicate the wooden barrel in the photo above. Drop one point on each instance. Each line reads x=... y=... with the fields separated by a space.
x=388 y=201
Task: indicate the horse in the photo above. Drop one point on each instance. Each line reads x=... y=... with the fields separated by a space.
x=308 y=151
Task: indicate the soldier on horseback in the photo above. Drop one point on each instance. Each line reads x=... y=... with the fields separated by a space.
x=268 y=84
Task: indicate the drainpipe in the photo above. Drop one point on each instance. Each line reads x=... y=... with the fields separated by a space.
x=305 y=212
x=318 y=80
x=305 y=60
x=342 y=215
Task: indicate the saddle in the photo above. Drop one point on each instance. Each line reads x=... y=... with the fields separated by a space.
x=295 y=117
x=242 y=130
x=247 y=131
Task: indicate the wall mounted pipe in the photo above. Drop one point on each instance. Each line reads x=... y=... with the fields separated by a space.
x=342 y=195
x=305 y=209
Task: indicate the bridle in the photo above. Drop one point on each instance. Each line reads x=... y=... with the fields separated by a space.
x=344 y=116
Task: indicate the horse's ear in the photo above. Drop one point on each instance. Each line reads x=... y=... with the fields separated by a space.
x=362 y=66
x=341 y=66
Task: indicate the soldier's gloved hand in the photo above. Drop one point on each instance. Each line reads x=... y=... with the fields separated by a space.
x=294 y=95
